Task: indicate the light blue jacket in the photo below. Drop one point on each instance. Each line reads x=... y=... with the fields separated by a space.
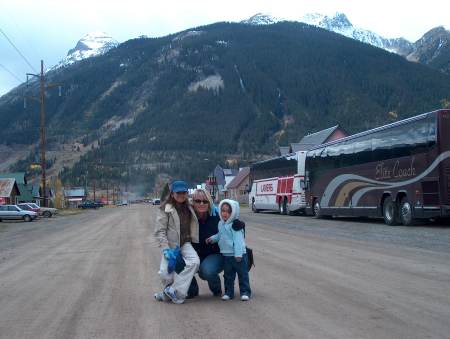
x=231 y=242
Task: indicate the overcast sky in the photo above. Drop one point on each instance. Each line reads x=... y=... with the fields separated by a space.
x=47 y=29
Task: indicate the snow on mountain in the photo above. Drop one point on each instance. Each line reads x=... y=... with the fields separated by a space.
x=261 y=19
x=431 y=45
x=340 y=24
x=92 y=44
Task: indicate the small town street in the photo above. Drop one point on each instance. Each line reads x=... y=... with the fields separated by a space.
x=93 y=275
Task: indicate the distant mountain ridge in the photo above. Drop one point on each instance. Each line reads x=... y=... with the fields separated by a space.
x=433 y=49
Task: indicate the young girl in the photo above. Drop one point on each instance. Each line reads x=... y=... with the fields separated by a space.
x=232 y=247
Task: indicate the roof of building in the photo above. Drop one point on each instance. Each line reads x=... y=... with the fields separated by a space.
x=74 y=192
x=6 y=187
x=220 y=173
x=313 y=139
x=19 y=176
x=285 y=150
x=236 y=182
x=25 y=193
x=230 y=171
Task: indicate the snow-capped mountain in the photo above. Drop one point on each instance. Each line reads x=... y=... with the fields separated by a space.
x=431 y=45
x=340 y=24
x=261 y=19
x=92 y=44
x=433 y=49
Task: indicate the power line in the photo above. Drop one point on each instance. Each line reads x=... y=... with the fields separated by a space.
x=18 y=51
x=11 y=73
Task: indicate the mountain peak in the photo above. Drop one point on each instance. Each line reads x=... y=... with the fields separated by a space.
x=261 y=19
x=436 y=31
x=338 y=21
x=92 y=44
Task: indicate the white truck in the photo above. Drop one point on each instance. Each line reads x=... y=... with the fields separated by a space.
x=285 y=192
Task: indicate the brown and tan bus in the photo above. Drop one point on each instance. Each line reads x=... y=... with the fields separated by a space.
x=399 y=171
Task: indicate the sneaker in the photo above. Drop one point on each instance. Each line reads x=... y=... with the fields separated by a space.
x=245 y=297
x=160 y=296
x=226 y=297
x=172 y=294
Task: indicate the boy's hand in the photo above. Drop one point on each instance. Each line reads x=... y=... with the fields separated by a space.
x=238 y=259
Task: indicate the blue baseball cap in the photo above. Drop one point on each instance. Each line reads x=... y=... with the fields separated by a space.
x=179 y=186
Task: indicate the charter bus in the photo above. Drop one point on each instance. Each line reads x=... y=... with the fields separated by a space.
x=399 y=171
x=278 y=184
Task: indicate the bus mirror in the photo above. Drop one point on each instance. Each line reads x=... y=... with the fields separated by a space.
x=303 y=184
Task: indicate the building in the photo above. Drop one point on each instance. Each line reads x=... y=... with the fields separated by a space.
x=25 y=190
x=218 y=180
x=73 y=197
x=311 y=140
x=237 y=189
x=8 y=191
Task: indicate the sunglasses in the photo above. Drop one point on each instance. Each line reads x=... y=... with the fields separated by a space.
x=198 y=201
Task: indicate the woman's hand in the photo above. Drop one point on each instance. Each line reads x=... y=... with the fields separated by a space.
x=209 y=240
x=238 y=259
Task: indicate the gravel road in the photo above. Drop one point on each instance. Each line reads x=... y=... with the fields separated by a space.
x=92 y=275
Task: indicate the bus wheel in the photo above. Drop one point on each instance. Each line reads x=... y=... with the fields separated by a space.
x=405 y=212
x=282 y=207
x=390 y=212
x=316 y=208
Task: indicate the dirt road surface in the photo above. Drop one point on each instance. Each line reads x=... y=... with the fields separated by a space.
x=93 y=275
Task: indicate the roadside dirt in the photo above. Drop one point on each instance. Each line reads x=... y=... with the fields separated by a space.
x=92 y=275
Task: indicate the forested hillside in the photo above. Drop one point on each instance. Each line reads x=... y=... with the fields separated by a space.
x=182 y=103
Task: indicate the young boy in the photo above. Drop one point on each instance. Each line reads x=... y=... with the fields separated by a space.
x=232 y=247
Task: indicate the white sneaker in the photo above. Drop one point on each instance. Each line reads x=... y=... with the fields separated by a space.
x=170 y=292
x=160 y=296
x=226 y=297
x=245 y=297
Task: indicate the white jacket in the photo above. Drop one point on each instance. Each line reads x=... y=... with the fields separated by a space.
x=167 y=230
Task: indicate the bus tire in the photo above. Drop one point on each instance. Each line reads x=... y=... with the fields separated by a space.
x=390 y=212
x=406 y=212
x=316 y=209
x=282 y=207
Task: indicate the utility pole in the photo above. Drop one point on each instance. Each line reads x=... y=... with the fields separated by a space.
x=42 y=133
x=41 y=100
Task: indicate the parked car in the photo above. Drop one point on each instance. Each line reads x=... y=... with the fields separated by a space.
x=14 y=212
x=27 y=206
x=47 y=212
x=88 y=204
x=156 y=201
x=99 y=203
x=122 y=203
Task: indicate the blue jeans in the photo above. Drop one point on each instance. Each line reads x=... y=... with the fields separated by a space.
x=231 y=267
x=209 y=270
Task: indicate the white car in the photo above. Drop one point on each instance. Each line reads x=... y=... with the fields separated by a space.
x=44 y=211
x=13 y=212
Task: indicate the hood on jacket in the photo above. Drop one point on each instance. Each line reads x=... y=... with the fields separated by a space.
x=234 y=209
